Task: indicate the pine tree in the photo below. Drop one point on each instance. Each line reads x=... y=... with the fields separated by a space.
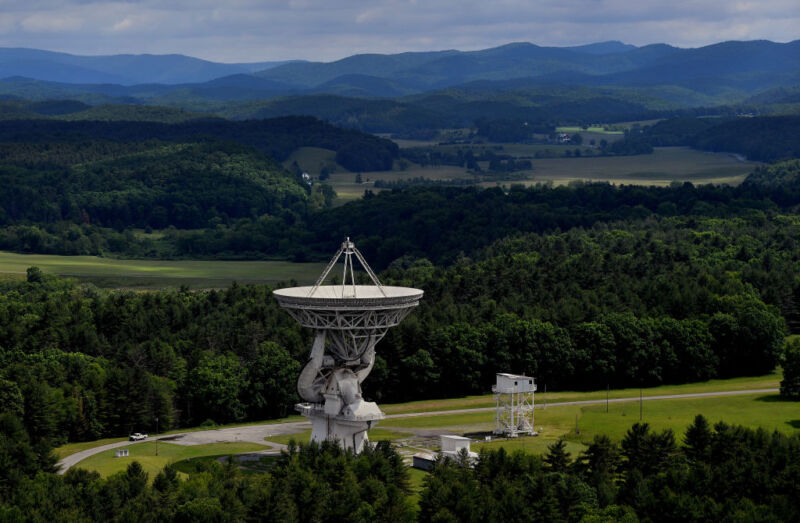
x=698 y=439
x=557 y=457
x=790 y=384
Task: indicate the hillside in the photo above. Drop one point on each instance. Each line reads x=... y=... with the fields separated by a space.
x=124 y=69
x=764 y=138
x=653 y=77
x=277 y=137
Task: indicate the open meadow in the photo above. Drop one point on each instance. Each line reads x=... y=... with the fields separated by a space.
x=665 y=166
x=115 y=273
x=555 y=422
x=145 y=453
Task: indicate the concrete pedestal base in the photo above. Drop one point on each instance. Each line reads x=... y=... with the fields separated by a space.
x=351 y=434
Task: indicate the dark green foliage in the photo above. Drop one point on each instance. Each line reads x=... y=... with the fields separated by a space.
x=309 y=483
x=790 y=361
x=698 y=440
x=747 y=474
x=186 y=186
x=277 y=137
x=87 y=364
x=510 y=130
x=761 y=138
x=557 y=458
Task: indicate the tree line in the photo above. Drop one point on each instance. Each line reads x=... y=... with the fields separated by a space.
x=717 y=473
x=277 y=137
x=712 y=473
x=672 y=300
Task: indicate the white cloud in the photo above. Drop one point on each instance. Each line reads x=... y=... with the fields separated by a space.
x=251 y=30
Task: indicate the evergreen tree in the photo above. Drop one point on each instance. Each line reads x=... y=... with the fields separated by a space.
x=790 y=384
x=697 y=440
x=557 y=457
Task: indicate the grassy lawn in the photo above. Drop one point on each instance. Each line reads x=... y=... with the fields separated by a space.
x=195 y=465
x=108 y=272
x=106 y=464
x=470 y=402
x=72 y=448
x=475 y=402
x=303 y=436
x=752 y=410
x=416 y=478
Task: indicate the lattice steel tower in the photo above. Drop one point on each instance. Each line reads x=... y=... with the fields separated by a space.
x=514 y=398
x=348 y=321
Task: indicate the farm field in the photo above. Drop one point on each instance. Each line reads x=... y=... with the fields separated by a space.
x=665 y=166
x=591 y=130
x=106 y=464
x=112 y=273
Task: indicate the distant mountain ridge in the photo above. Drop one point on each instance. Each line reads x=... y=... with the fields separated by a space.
x=417 y=90
x=123 y=69
x=391 y=75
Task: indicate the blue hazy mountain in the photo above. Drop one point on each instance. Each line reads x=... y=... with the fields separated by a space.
x=719 y=73
x=124 y=69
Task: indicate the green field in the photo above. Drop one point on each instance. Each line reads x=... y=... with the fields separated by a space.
x=72 y=448
x=665 y=166
x=106 y=464
x=593 y=129
x=752 y=410
x=475 y=402
x=108 y=272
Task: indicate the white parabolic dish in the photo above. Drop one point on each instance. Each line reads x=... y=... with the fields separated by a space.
x=365 y=297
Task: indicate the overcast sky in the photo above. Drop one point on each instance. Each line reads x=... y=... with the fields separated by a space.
x=257 y=30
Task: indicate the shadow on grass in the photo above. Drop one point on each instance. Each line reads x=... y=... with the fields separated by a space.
x=795 y=423
x=772 y=398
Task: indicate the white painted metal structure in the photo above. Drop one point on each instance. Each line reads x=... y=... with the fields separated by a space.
x=348 y=321
x=451 y=446
x=514 y=398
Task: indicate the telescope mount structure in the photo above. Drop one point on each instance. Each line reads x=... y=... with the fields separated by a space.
x=348 y=321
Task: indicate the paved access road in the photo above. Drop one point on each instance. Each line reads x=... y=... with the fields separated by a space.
x=257 y=433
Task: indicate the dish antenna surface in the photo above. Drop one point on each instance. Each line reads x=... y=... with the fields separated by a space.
x=348 y=321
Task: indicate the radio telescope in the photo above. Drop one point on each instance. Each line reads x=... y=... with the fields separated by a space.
x=348 y=321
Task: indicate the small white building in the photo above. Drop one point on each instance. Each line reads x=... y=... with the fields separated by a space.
x=452 y=445
x=514 y=399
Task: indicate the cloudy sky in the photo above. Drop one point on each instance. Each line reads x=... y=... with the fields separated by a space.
x=256 y=30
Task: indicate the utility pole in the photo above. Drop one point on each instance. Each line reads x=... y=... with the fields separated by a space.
x=156 y=435
x=608 y=388
x=545 y=396
x=640 y=404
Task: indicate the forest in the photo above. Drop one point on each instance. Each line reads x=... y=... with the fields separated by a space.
x=763 y=138
x=584 y=286
x=709 y=473
x=659 y=300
